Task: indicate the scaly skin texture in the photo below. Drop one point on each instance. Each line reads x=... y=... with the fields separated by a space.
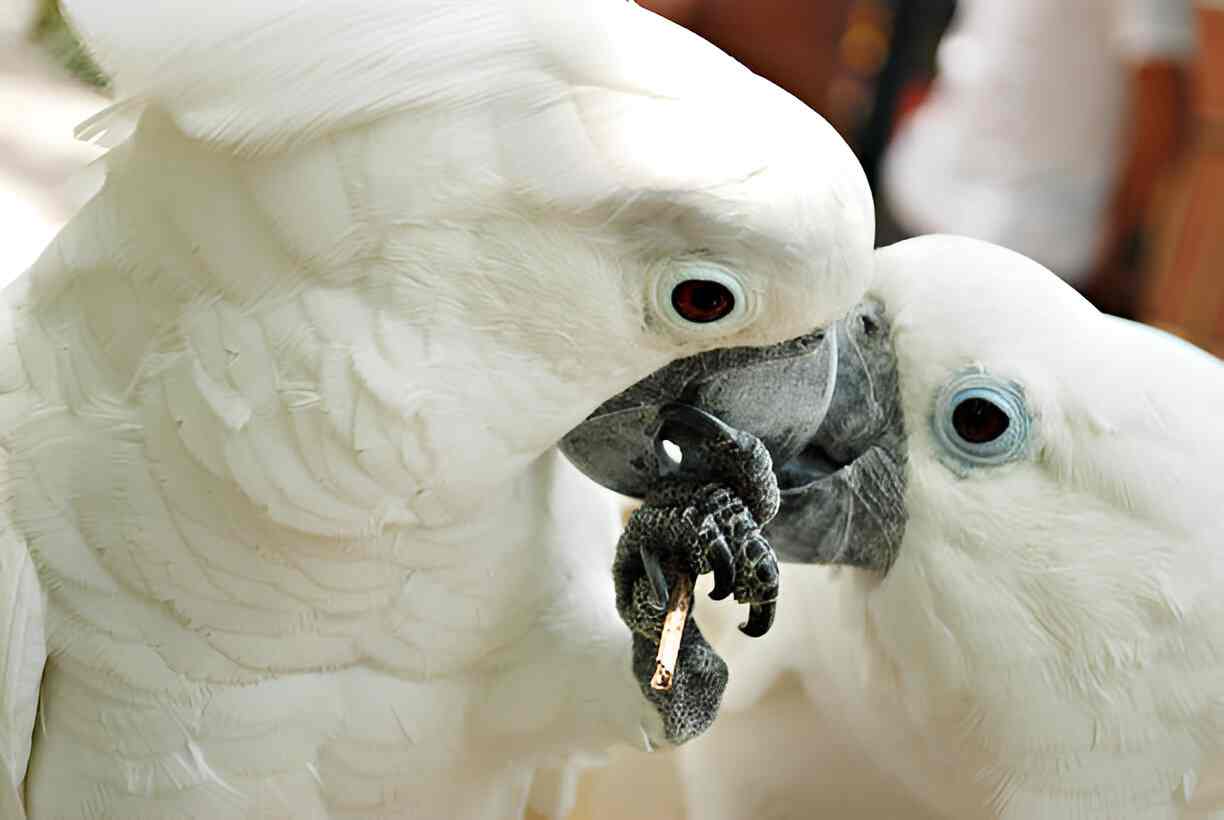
x=691 y=525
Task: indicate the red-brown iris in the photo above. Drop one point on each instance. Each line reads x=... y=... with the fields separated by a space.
x=702 y=301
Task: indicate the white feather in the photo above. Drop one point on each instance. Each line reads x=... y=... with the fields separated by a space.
x=284 y=395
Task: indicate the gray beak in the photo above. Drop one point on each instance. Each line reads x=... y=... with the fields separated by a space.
x=779 y=393
x=843 y=496
x=826 y=405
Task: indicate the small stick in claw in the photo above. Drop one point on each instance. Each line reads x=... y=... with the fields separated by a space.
x=678 y=605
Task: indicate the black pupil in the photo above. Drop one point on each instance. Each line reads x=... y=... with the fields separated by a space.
x=700 y=300
x=978 y=421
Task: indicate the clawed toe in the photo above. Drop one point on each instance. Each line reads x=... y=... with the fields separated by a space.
x=760 y=619
x=759 y=583
x=722 y=562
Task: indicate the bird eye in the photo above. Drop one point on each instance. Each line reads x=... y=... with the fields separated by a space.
x=702 y=295
x=978 y=421
x=981 y=420
x=701 y=301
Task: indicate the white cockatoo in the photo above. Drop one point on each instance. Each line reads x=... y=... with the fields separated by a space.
x=1014 y=504
x=283 y=514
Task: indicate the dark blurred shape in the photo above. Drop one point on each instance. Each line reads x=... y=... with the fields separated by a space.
x=794 y=43
x=848 y=59
x=1185 y=287
x=905 y=79
x=1157 y=139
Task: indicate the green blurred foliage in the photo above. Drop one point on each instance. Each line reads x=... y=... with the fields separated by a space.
x=54 y=34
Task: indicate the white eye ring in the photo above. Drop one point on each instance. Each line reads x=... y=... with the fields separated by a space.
x=666 y=284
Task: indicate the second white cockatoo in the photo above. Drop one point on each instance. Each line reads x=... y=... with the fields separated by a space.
x=1013 y=500
x=283 y=514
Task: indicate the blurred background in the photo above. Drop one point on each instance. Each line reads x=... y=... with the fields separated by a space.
x=1088 y=135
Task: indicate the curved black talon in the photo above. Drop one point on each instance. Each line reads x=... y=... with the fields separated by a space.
x=694 y=431
x=696 y=421
x=723 y=564
x=690 y=429
x=760 y=619
x=654 y=571
x=759 y=584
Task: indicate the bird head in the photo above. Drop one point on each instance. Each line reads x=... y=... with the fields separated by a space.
x=551 y=199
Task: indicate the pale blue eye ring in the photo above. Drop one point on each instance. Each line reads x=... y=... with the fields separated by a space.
x=981 y=421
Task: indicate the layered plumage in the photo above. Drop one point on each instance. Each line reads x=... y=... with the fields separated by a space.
x=283 y=510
